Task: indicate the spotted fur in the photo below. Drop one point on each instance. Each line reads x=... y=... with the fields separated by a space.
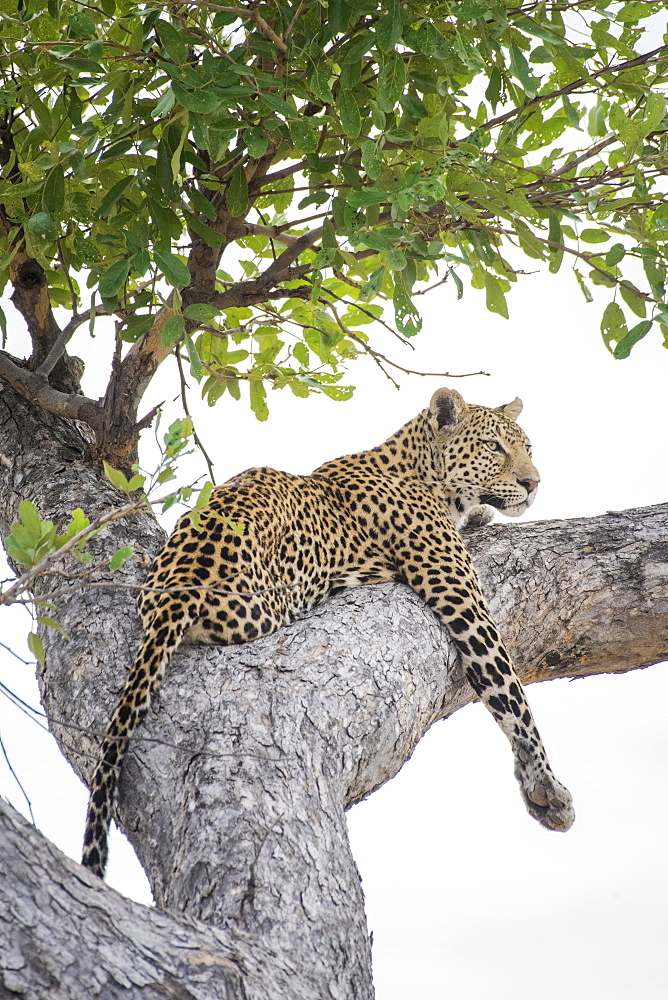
x=390 y=513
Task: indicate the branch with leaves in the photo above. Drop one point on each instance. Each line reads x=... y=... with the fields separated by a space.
x=173 y=158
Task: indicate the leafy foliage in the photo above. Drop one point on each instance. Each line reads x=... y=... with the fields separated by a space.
x=331 y=157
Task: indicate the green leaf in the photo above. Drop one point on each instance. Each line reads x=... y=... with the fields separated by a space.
x=203 y=102
x=164 y=105
x=633 y=298
x=349 y=113
x=615 y=254
x=195 y=360
x=52 y=623
x=256 y=140
x=407 y=318
x=36 y=647
x=135 y=327
x=613 y=325
x=520 y=69
x=78 y=521
x=209 y=235
x=632 y=11
x=201 y=312
x=113 y=279
x=319 y=83
x=329 y=241
x=236 y=196
x=53 y=197
x=636 y=333
x=391 y=82
x=204 y=495
x=372 y=287
x=173 y=330
x=555 y=235
x=279 y=106
x=594 y=236
x=202 y=204
x=172 y=41
x=303 y=135
x=116 y=477
x=366 y=197
x=258 y=399
x=119 y=557
x=41 y=225
x=30 y=517
x=301 y=354
x=389 y=27
x=174 y=270
x=395 y=259
x=529 y=242
x=372 y=160
x=630 y=132
x=494 y=297
x=459 y=285
x=113 y=195
x=583 y=287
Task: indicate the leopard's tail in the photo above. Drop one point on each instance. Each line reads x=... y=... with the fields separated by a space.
x=142 y=683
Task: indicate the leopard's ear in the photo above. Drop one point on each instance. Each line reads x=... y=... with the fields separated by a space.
x=511 y=410
x=447 y=409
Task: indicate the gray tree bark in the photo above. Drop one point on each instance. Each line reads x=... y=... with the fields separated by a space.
x=234 y=793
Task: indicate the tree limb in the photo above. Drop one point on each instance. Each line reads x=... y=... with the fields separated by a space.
x=76 y=937
x=37 y=390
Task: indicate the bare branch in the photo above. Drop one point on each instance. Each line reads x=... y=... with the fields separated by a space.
x=58 y=349
x=36 y=389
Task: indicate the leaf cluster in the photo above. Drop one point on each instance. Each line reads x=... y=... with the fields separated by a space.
x=273 y=173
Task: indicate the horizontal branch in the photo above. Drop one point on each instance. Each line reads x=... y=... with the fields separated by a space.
x=570 y=87
x=36 y=389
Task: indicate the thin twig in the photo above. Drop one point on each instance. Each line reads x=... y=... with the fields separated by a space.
x=184 y=401
x=63 y=338
x=376 y=354
x=17 y=779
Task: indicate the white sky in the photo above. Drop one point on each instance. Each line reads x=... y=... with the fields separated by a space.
x=466 y=895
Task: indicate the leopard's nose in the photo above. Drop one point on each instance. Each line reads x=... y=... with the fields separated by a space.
x=529 y=484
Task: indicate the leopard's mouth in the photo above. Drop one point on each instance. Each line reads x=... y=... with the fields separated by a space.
x=510 y=509
x=492 y=500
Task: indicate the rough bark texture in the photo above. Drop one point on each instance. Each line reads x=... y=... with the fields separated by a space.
x=234 y=795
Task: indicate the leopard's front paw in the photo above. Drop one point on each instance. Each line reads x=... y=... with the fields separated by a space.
x=546 y=798
x=476 y=517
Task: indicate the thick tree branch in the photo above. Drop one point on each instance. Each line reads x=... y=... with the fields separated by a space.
x=76 y=937
x=36 y=389
x=31 y=298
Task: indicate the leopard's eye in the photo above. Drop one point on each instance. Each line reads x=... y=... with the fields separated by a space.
x=495 y=446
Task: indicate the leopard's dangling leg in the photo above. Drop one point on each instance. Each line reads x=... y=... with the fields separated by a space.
x=450 y=587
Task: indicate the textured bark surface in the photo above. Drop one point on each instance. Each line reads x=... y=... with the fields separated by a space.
x=234 y=795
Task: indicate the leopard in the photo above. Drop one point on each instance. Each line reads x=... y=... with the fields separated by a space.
x=269 y=546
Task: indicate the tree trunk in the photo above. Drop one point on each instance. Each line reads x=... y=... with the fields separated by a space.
x=235 y=789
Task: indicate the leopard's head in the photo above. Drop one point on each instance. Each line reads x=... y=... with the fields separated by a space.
x=485 y=456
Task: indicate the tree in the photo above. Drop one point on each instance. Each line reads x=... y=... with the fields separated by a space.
x=393 y=195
